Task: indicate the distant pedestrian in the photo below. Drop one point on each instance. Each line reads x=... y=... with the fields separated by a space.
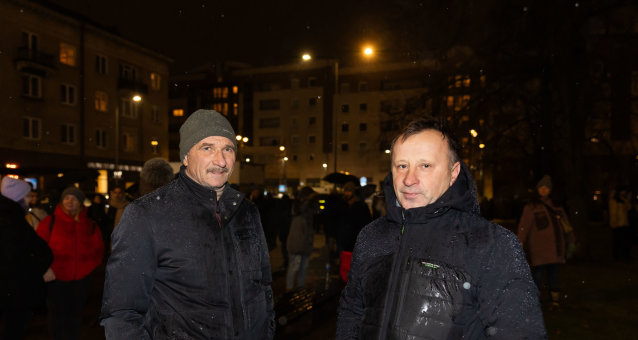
x=544 y=231
x=620 y=205
x=76 y=242
x=35 y=214
x=117 y=203
x=301 y=237
x=155 y=173
x=24 y=258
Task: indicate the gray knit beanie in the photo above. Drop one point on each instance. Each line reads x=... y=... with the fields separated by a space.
x=202 y=124
x=15 y=189
x=73 y=191
x=545 y=181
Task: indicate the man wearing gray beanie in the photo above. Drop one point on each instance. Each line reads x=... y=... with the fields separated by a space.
x=194 y=247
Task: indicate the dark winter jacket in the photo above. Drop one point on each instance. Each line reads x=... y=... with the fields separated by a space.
x=439 y=272
x=24 y=257
x=184 y=266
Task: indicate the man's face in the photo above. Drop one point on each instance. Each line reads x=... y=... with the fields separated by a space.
x=71 y=205
x=210 y=162
x=421 y=170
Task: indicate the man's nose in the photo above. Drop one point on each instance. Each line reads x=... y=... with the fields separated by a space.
x=219 y=159
x=410 y=177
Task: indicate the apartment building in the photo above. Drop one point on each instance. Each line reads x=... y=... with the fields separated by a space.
x=310 y=119
x=83 y=103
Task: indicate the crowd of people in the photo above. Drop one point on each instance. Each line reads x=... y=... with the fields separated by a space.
x=192 y=259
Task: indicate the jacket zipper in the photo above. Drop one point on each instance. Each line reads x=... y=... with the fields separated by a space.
x=394 y=275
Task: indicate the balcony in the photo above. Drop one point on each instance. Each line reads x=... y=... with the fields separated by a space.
x=132 y=85
x=34 y=61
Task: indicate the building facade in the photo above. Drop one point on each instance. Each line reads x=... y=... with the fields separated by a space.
x=83 y=102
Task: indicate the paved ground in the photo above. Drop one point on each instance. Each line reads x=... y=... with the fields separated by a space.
x=599 y=301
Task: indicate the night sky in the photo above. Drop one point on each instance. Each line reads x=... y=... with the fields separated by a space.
x=194 y=32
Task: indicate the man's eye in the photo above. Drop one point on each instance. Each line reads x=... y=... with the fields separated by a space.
x=402 y=166
x=206 y=148
x=425 y=165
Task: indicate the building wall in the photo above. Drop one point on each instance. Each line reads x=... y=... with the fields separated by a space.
x=76 y=120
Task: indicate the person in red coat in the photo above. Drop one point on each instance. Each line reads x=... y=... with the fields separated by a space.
x=76 y=242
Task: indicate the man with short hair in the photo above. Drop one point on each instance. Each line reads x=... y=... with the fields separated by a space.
x=433 y=268
x=190 y=261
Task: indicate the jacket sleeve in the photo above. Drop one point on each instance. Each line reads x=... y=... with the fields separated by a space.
x=350 y=313
x=269 y=325
x=507 y=295
x=129 y=277
x=526 y=224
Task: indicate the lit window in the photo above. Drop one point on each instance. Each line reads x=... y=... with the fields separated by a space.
x=178 y=113
x=67 y=134
x=235 y=109
x=155 y=81
x=31 y=127
x=235 y=90
x=101 y=101
x=225 y=92
x=67 y=94
x=67 y=54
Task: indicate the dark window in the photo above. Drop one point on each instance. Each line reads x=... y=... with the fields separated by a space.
x=312 y=121
x=363 y=107
x=312 y=101
x=345 y=127
x=363 y=127
x=311 y=139
x=269 y=104
x=345 y=108
x=344 y=147
x=269 y=123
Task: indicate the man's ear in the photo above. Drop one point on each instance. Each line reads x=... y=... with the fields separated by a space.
x=456 y=169
x=185 y=160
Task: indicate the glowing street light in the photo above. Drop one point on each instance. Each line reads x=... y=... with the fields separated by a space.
x=282 y=148
x=473 y=133
x=306 y=57
x=481 y=146
x=238 y=137
x=137 y=98
x=245 y=139
x=368 y=51
x=325 y=165
x=285 y=159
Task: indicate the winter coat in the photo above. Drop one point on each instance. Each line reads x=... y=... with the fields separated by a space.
x=301 y=237
x=186 y=266
x=356 y=216
x=541 y=233
x=24 y=257
x=619 y=212
x=439 y=272
x=77 y=245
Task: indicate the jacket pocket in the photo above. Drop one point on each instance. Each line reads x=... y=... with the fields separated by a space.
x=430 y=297
x=194 y=324
x=542 y=222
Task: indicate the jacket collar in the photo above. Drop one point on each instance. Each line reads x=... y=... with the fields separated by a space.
x=60 y=214
x=229 y=201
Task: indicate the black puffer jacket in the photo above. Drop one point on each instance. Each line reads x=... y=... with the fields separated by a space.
x=175 y=273
x=439 y=272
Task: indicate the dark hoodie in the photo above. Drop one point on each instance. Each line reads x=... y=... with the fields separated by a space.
x=439 y=272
